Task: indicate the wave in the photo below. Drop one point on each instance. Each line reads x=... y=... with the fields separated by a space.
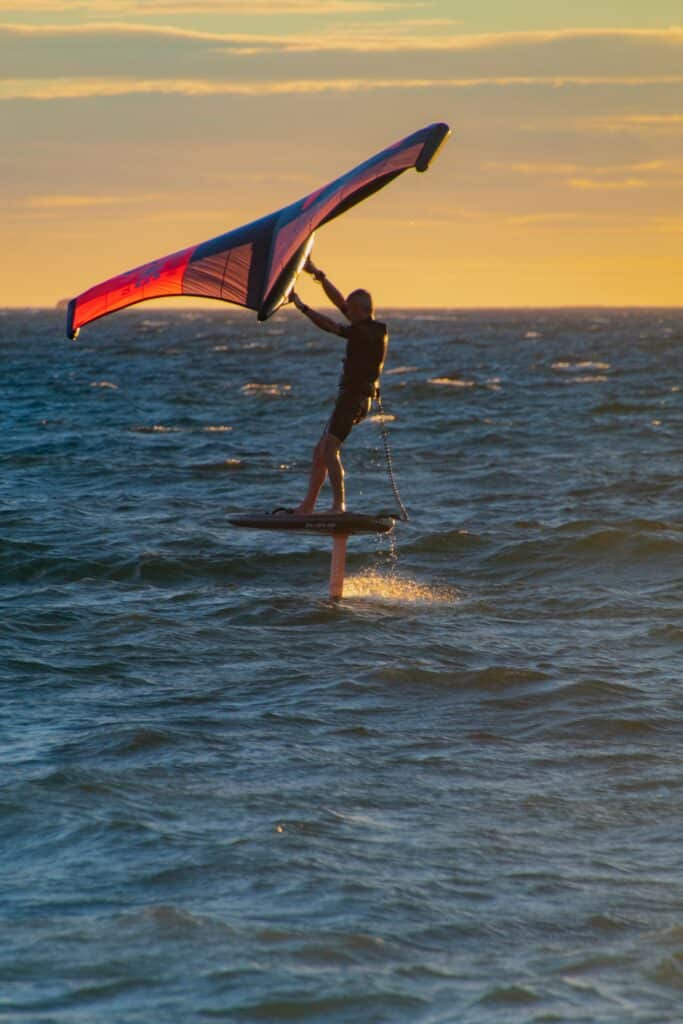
x=630 y=542
x=580 y=365
x=442 y=541
x=146 y=567
x=510 y=996
x=224 y=466
x=266 y=390
x=154 y=428
x=620 y=407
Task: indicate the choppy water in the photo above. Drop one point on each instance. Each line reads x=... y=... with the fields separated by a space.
x=455 y=796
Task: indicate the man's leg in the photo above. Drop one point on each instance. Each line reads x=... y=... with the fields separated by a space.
x=316 y=479
x=335 y=469
x=326 y=459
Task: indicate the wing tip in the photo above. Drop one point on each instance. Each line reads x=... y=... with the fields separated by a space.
x=438 y=133
x=71 y=331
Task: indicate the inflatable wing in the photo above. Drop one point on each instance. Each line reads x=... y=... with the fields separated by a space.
x=256 y=265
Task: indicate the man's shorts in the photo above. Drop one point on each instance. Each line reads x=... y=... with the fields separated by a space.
x=350 y=408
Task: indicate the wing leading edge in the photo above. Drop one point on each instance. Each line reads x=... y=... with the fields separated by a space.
x=256 y=265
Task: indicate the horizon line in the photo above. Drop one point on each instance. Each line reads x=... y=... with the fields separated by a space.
x=408 y=309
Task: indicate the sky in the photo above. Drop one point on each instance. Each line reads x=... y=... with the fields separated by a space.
x=133 y=128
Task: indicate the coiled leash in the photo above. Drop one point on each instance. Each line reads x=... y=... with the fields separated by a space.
x=404 y=517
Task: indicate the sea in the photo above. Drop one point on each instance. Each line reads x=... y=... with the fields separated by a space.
x=455 y=796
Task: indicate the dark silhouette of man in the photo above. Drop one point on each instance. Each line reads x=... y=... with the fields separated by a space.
x=366 y=347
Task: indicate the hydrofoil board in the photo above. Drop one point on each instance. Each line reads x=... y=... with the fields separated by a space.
x=316 y=522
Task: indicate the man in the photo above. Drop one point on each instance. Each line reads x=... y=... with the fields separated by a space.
x=366 y=346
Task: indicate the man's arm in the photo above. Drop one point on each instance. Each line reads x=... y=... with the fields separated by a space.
x=333 y=294
x=321 y=321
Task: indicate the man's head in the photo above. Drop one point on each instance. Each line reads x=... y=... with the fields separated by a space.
x=359 y=305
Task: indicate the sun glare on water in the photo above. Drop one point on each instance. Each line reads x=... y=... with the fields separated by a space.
x=374 y=584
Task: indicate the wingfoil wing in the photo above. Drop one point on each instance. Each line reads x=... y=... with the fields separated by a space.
x=256 y=265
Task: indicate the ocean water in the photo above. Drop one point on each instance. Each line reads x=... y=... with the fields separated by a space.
x=454 y=797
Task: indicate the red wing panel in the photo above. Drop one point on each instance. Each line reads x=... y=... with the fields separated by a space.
x=153 y=280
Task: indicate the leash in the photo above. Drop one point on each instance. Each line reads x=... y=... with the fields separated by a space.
x=404 y=517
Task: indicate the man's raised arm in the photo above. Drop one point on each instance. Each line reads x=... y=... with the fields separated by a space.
x=333 y=294
x=324 y=322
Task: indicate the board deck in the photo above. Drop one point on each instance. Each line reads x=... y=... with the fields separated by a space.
x=316 y=522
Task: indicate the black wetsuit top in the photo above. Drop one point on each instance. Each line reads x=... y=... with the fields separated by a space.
x=366 y=348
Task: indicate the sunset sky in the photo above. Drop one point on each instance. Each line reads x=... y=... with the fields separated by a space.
x=132 y=128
